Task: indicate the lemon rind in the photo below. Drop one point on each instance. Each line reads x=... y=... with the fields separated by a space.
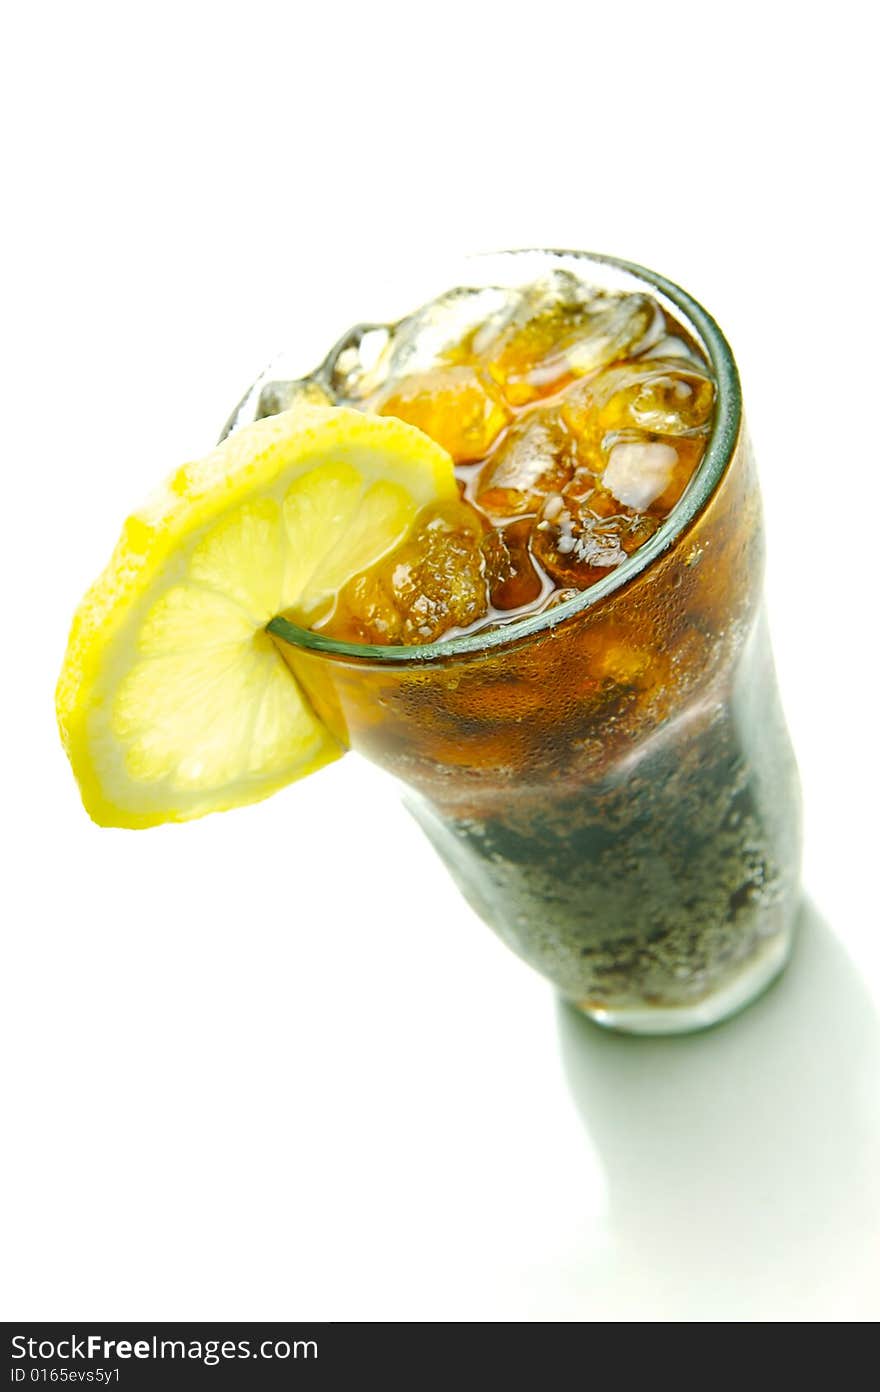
x=248 y=464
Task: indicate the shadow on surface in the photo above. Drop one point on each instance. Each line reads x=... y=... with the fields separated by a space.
x=743 y=1163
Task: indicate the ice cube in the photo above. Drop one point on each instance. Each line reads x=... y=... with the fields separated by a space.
x=638 y=472
x=456 y=405
x=536 y=457
x=435 y=581
x=443 y=330
x=672 y=402
x=510 y=573
x=371 y=358
x=673 y=346
x=562 y=329
x=576 y=547
x=651 y=473
x=663 y=398
x=642 y=427
x=584 y=486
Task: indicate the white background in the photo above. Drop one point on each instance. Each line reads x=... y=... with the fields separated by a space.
x=268 y=1064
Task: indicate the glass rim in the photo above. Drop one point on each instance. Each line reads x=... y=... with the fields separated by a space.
x=719 y=451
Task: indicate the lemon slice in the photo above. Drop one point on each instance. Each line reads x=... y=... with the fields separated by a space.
x=173 y=701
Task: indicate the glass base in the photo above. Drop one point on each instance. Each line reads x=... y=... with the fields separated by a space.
x=684 y=1019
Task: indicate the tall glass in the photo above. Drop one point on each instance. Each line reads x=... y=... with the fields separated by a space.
x=610 y=781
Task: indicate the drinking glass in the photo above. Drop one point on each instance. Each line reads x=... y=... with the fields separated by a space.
x=609 y=781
